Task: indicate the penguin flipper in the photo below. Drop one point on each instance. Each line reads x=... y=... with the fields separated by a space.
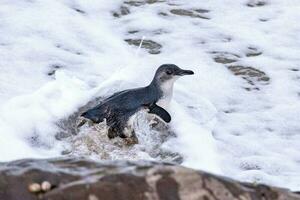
x=159 y=111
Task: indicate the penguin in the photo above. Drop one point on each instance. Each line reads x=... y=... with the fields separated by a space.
x=119 y=108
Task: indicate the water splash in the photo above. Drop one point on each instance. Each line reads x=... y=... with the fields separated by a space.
x=92 y=141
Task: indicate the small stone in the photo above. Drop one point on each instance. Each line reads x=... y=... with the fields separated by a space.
x=34 y=188
x=93 y=197
x=46 y=186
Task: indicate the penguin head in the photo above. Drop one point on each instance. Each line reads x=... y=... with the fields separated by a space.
x=170 y=72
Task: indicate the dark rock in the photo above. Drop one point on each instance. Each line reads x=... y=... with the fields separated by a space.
x=256 y=3
x=224 y=60
x=187 y=13
x=159 y=31
x=51 y=73
x=252 y=51
x=163 y=14
x=224 y=57
x=142 y=2
x=151 y=46
x=79 y=178
x=133 y=31
x=79 y=10
x=122 y=12
x=200 y=10
x=252 y=75
x=252 y=54
x=53 y=69
x=250 y=72
x=148 y=32
x=263 y=20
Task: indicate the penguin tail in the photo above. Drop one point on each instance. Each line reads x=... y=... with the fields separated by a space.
x=95 y=115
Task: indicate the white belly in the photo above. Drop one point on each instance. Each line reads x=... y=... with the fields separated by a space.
x=167 y=89
x=164 y=102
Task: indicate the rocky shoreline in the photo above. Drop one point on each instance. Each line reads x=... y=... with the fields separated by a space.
x=80 y=178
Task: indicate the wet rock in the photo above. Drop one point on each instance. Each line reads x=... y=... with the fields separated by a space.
x=142 y=2
x=163 y=14
x=263 y=20
x=188 y=13
x=224 y=60
x=200 y=10
x=79 y=178
x=252 y=52
x=53 y=69
x=133 y=31
x=151 y=46
x=239 y=70
x=147 y=32
x=79 y=11
x=252 y=75
x=122 y=12
x=159 y=31
x=224 y=57
x=256 y=3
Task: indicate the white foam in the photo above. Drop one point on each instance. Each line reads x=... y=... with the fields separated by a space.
x=220 y=127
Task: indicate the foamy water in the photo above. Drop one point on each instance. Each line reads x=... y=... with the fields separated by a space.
x=57 y=55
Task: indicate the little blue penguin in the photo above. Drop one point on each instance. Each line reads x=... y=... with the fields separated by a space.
x=121 y=106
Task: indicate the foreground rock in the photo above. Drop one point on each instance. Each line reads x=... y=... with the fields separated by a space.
x=78 y=178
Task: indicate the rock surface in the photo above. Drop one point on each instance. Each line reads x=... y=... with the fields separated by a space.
x=79 y=178
x=189 y=13
x=151 y=46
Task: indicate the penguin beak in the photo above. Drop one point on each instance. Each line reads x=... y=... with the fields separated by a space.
x=183 y=72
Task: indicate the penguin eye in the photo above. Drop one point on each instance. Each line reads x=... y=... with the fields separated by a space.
x=169 y=72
